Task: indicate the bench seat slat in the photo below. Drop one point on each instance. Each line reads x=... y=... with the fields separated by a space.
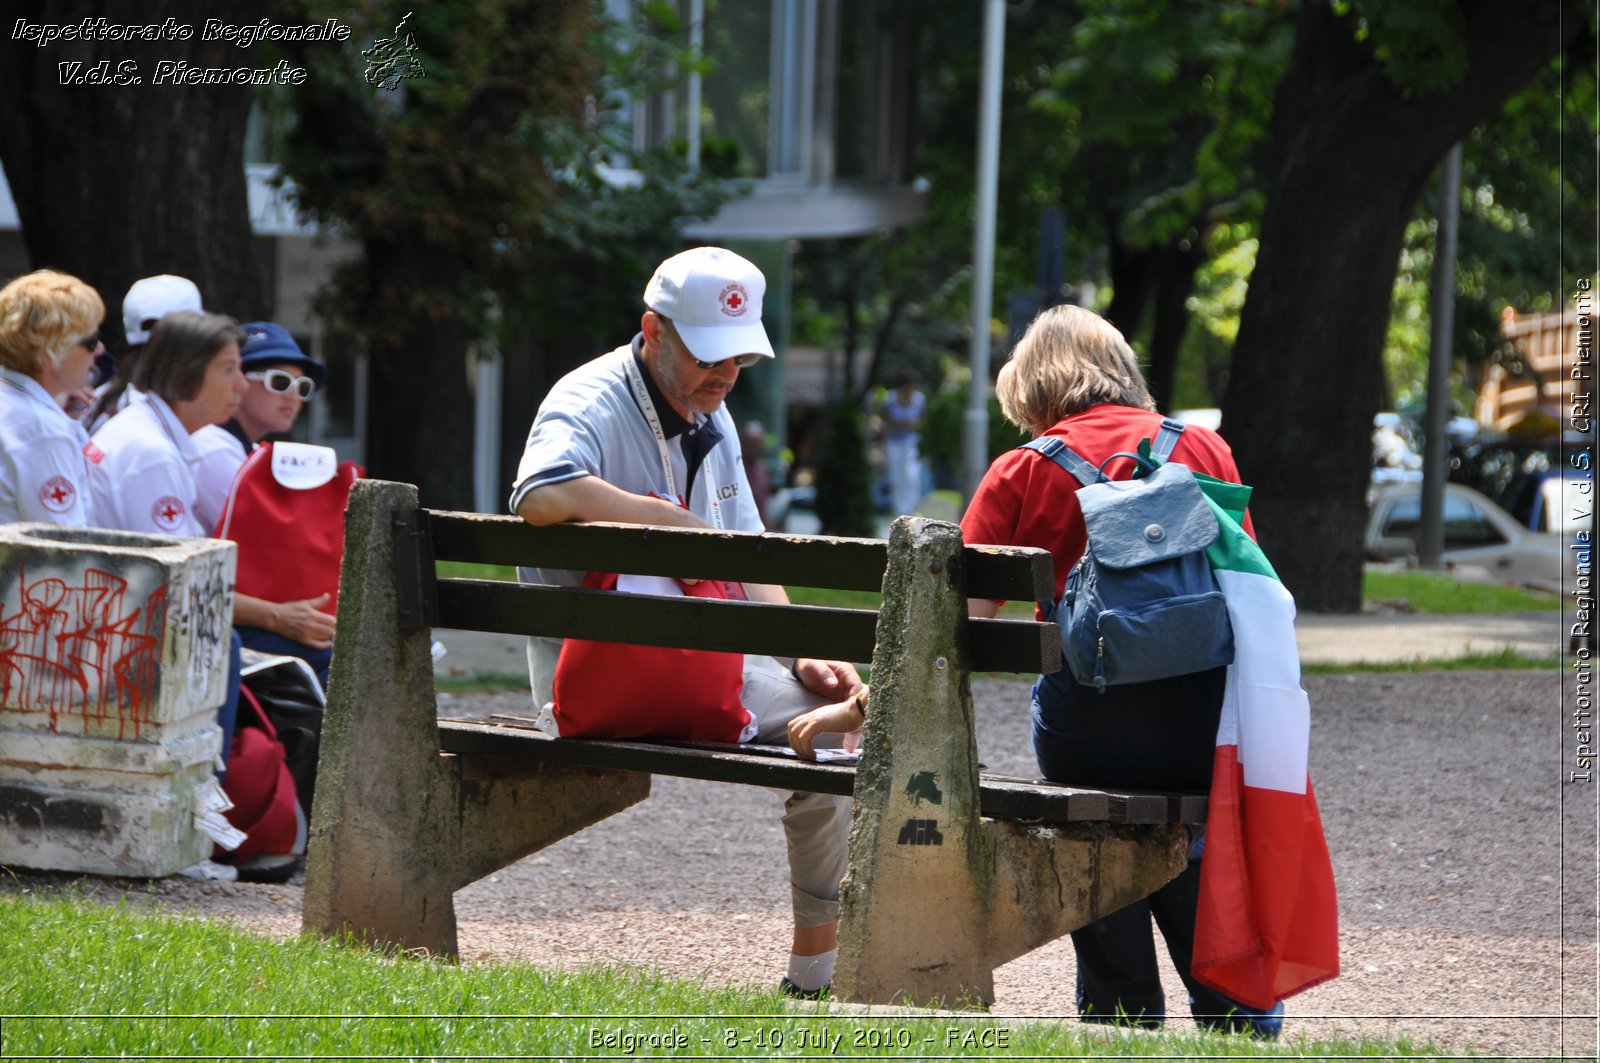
x=1004 y=573
x=732 y=627
x=1001 y=797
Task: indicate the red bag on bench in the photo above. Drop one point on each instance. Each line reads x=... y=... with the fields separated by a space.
x=617 y=690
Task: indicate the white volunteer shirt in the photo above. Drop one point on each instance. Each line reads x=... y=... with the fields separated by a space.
x=129 y=396
x=591 y=424
x=44 y=475
x=221 y=456
x=144 y=479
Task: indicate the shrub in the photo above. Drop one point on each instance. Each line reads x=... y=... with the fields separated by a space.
x=844 y=479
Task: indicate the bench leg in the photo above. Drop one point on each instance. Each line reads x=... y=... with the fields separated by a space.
x=1045 y=881
x=397 y=827
x=936 y=897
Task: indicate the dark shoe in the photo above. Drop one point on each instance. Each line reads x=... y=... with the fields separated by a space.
x=269 y=867
x=789 y=989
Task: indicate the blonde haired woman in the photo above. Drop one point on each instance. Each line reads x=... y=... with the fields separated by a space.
x=1073 y=377
x=49 y=334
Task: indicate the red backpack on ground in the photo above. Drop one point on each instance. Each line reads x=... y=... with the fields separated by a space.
x=285 y=511
x=258 y=783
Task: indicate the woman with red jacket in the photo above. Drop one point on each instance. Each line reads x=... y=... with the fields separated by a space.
x=1074 y=377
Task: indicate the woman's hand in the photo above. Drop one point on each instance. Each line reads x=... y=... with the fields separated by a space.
x=76 y=403
x=305 y=622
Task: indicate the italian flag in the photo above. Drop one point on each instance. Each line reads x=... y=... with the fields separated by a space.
x=1268 y=920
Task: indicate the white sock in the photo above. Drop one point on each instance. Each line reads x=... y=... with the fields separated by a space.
x=812 y=972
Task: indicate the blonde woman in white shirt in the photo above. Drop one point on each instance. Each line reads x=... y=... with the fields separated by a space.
x=49 y=325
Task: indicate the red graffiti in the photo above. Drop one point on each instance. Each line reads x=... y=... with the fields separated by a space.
x=81 y=646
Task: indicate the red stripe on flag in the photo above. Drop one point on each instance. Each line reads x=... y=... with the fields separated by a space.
x=1268 y=920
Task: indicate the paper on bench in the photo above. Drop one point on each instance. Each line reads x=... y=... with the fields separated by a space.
x=665 y=586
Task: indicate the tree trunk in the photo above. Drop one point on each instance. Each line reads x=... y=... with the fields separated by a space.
x=420 y=428
x=119 y=181
x=1157 y=279
x=1132 y=278
x=1352 y=152
x=1170 y=305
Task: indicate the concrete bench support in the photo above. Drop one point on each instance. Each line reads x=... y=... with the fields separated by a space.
x=937 y=897
x=398 y=827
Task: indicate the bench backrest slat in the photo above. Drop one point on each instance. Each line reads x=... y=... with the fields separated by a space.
x=734 y=627
x=1004 y=573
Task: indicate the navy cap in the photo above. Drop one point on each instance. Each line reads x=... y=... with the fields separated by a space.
x=267 y=345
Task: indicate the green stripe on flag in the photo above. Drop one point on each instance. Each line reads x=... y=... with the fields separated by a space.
x=1233 y=498
x=1234 y=550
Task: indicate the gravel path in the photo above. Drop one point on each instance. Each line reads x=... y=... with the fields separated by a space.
x=1466 y=872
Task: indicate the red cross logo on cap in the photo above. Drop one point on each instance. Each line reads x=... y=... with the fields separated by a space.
x=167 y=512
x=734 y=300
x=57 y=494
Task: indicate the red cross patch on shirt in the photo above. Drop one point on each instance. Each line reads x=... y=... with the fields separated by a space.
x=167 y=513
x=57 y=494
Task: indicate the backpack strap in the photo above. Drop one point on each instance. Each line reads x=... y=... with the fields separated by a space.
x=1066 y=457
x=1166 y=439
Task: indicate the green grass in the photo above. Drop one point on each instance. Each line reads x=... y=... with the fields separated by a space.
x=464 y=570
x=1422 y=592
x=81 y=979
x=486 y=683
x=1506 y=659
x=1430 y=592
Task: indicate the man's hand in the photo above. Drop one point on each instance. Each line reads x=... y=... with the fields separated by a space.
x=805 y=729
x=828 y=679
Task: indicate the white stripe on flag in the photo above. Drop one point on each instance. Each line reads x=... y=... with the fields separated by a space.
x=1264 y=711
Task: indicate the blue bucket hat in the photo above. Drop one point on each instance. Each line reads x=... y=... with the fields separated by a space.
x=267 y=345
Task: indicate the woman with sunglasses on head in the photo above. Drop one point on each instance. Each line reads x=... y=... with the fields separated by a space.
x=48 y=341
x=281 y=378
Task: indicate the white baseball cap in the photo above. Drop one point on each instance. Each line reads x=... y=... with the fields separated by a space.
x=152 y=299
x=713 y=298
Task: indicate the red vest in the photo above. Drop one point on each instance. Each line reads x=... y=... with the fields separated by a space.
x=288 y=518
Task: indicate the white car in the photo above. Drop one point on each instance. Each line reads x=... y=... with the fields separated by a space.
x=1477 y=535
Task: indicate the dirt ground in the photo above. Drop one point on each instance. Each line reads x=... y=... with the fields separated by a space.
x=1466 y=867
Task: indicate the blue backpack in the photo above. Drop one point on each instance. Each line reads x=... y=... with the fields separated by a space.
x=1142 y=603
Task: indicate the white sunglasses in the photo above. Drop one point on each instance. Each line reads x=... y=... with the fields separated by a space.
x=280 y=381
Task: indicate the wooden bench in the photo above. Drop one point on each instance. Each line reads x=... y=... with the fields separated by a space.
x=411 y=808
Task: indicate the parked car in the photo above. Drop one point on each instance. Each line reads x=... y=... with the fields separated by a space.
x=1477 y=534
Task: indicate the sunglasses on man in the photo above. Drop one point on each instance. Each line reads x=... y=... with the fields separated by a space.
x=279 y=382
x=740 y=361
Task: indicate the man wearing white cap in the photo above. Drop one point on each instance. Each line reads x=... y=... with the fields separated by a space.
x=641 y=436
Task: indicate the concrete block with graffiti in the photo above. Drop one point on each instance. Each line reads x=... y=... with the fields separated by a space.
x=113 y=660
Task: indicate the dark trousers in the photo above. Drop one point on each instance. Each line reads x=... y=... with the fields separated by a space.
x=228 y=711
x=1118 y=980
x=1157 y=736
